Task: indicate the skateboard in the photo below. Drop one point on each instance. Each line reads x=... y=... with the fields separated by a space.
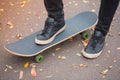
x=77 y=24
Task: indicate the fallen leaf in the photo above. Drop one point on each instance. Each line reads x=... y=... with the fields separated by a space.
x=26 y=65
x=61 y=57
x=53 y=54
x=41 y=70
x=21 y=75
x=83 y=65
x=9 y=67
x=78 y=54
x=11 y=4
x=10 y=24
x=44 y=12
x=110 y=67
x=103 y=77
x=118 y=48
x=37 y=14
x=1 y=10
x=104 y=72
x=16 y=71
x=97 y=65
x=76 y=4
x=48 y=76
x=109 y=51
x=85 y=1
x=70 y=39
x=85 y=42
x=114 y=60
x=29 y=12
x=5 y=69
x=93 y=10
x=57 y=49
x=70 y=2
x=19 y=36
x=23 y=3
x=33 y=70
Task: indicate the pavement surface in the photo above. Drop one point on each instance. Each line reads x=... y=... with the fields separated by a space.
x=20 y=18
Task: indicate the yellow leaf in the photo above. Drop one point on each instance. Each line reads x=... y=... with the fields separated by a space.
x=104 y=72
x=10 y=24
x=23 y=3
x=26 y=65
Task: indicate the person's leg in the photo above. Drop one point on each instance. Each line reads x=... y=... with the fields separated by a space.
x=54 y=23
x=97 y=41
x=54 y=8
x=106 y=14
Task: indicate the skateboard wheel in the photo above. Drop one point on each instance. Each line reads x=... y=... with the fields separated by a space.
x=39 y=58
x=85 y=35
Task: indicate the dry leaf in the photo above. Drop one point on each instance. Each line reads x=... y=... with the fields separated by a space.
x=70 y=39
x=110 y=67
x=1 y=10
x=48 y=76
x=33 y=72
x=44 y=12
x=29 y=12
x=97 y=65
x=104 y=72
x=83 y=65
x=114 y=61
x=19 y=36
x=37 y=14
x=118 y=48
x=70 y=2
x=85 y=1
x=93 y=10
x=57 y=49
x=26 y=65
x=21 y=75
x=61 y=57
x=9 y=67
x=23 y=3
x=5 y=69
x=11 y=4
x=76 y=4
x=10 y=24
x=85 y=42
x=78 y=54
x=109 y=51
x=41 y=70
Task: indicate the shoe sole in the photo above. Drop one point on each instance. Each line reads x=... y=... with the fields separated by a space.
x=43 y=42
x=89 y=55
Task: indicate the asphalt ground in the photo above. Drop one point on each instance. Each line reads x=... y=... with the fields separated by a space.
x=20 y=18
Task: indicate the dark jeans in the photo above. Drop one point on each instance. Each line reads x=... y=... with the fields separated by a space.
x=106 y=12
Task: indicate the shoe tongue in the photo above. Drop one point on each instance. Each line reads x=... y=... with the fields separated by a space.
x=50 y=19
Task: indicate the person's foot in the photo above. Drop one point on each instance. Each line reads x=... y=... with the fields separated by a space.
x=95 y=45
x=51 y=30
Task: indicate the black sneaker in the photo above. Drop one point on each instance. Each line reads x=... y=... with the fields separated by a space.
x=95 y=45
x=51 y=30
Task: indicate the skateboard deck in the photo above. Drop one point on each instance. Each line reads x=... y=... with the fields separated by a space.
x=26 y=47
